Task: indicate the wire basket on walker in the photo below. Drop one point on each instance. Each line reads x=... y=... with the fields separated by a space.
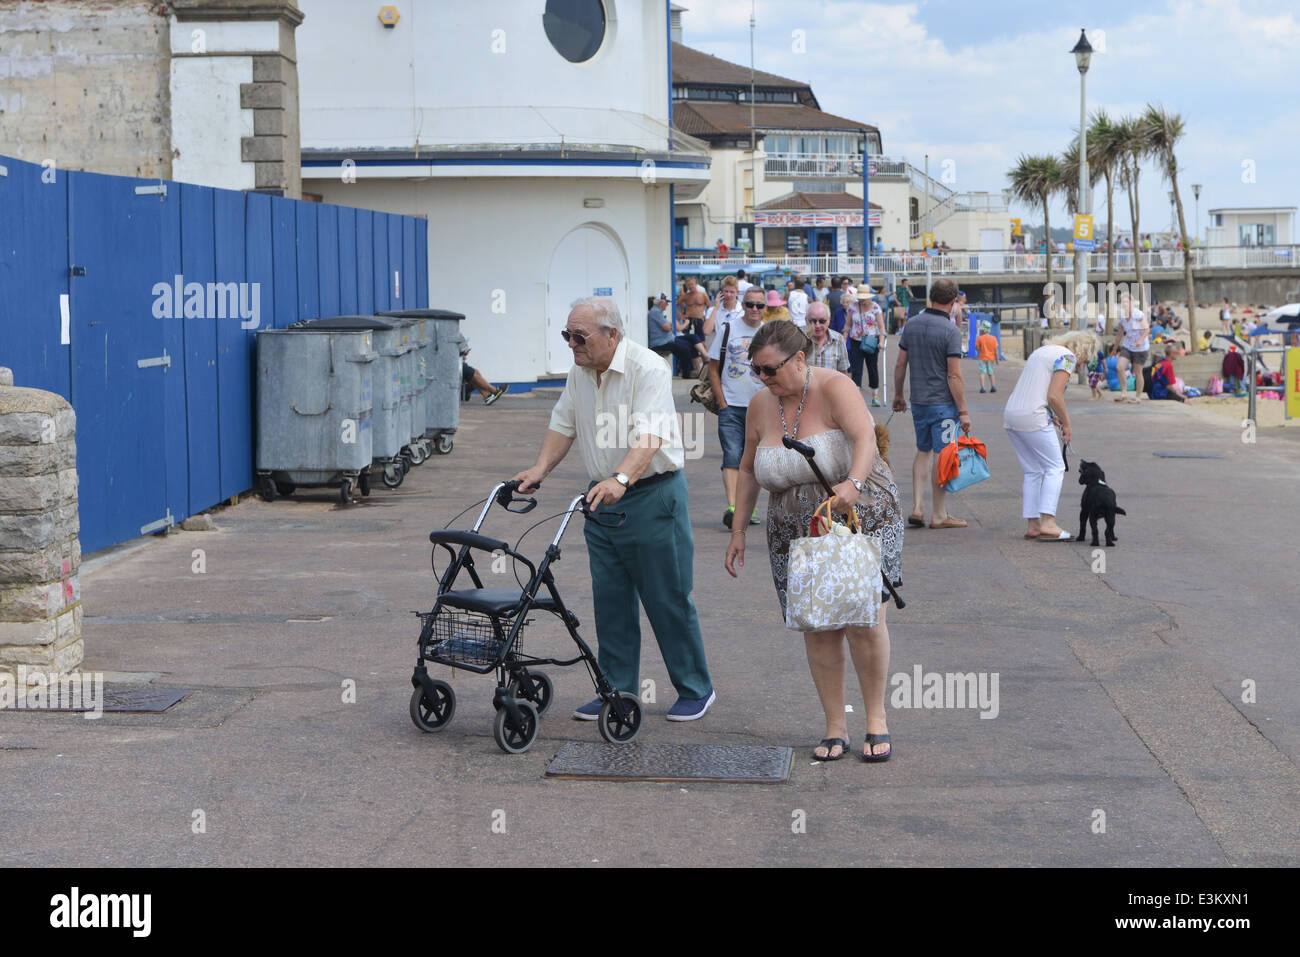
x=480 y=630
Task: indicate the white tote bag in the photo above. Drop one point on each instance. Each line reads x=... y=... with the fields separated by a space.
x=833 y=580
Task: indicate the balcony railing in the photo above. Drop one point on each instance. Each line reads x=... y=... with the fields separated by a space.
x=847 y=166
x=990 y=262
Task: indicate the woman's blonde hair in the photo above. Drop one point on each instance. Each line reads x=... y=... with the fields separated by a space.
x=1081 y=342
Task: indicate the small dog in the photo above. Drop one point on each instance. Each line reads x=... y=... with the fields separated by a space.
x=1098 y=502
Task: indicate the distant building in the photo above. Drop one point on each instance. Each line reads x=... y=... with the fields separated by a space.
x=536 y=138
x=1251 y=226
x=800 y=190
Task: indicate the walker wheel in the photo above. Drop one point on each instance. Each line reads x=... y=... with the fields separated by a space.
x=618 y=730
x=512 y=739
x=433 y=713
x=536 y=687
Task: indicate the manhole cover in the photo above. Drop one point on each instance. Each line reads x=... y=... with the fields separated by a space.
x=672 y=762
x=1185 y=455
x=139 y=700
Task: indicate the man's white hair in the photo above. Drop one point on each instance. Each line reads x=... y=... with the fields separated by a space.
x=603 y=310
x=819 y=307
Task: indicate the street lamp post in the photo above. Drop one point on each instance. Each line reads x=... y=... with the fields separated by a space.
x=1196 y=192
x=1082 y=58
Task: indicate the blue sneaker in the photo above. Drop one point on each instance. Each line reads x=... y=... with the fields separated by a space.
x=589 y=711
x=688 y=709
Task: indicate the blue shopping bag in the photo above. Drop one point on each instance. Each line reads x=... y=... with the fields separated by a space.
x=971 y=468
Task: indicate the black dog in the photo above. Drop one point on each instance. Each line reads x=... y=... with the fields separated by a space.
x=1098 y=502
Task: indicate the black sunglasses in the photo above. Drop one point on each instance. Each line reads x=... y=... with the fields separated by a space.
x=577 y=338
x=750 y=304
x=770 y=371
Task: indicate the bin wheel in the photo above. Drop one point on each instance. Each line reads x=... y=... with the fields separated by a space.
x=618 y=730
x=537 y=688
x=445 y=444
x=512 y=739
x=286 y=488
x=345 y=491
x=267 y=486
x=363 y=482
x=393 y=474
x=433 y=713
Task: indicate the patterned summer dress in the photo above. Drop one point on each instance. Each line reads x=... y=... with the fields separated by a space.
x=794 y=494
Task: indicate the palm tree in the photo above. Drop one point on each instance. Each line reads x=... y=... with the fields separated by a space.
x=1163 y=131
x=1132 y=135
x=1104 y=151
x=1034 y=180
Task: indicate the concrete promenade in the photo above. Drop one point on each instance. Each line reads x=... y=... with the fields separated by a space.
x=1120 y=691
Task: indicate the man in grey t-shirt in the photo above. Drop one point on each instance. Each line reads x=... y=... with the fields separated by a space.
x=932 y=346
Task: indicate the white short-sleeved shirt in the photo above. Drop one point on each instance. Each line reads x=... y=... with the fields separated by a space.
x=798 y=306
x=739 y=384
x=1137 y=333
x=1026 y=409
x=742 y=285
x=635 y=398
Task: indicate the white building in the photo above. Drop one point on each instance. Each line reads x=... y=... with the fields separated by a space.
x=1251 y=226
x=800 y=190
x=536 y=137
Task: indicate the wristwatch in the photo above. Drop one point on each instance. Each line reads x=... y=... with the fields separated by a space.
x=860 y=486
x=622 y=479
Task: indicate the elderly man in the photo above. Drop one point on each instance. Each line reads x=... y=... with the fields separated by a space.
x=618 y=404
x=828 y=351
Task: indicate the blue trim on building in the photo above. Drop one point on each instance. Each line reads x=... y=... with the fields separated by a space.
x=567 y=161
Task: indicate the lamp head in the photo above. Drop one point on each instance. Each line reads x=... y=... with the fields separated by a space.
x=1082 y=52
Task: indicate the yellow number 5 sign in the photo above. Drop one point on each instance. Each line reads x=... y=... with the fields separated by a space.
x=1083 y=227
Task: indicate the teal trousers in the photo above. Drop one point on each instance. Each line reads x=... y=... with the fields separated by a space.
x=648 y=558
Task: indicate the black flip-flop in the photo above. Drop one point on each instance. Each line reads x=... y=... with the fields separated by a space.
x=915 y=522
x=871 y=742
x=829 y=743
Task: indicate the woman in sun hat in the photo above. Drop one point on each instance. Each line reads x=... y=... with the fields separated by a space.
x=775 y=307
x=864 y=325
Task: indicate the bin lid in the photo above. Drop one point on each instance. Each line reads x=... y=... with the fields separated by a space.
x=422 y=314
x=341 y=323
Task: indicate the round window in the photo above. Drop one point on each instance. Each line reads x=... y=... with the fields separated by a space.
x=576 y=28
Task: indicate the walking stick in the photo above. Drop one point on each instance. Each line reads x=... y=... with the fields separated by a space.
x=808 y=452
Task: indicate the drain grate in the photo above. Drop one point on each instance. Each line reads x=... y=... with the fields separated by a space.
x=129 y=700
x=1185 y=455
x=733 y=764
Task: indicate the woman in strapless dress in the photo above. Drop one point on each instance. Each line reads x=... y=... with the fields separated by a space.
x=824 y=409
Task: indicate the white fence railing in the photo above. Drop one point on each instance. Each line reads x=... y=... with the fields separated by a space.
x=813 y=166
x=976 y=262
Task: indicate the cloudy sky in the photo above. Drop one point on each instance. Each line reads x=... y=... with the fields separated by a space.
x=979 y=82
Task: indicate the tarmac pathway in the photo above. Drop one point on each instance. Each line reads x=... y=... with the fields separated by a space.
x=1120 y=691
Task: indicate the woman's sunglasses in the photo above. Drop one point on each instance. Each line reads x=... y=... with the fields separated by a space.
x=770 y=371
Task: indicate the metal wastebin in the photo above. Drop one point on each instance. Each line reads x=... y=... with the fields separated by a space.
x=442 y=372
x=314 y=405
x=391 y=411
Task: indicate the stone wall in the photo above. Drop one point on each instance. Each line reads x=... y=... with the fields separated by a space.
x=40 y=554
x=84 y=85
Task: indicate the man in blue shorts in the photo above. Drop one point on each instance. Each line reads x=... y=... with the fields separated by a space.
x=735 y=383
x=932 y=345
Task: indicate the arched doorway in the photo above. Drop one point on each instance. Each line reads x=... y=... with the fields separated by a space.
x=588 y=261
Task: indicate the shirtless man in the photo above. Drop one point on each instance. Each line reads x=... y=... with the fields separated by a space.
x=690 y=313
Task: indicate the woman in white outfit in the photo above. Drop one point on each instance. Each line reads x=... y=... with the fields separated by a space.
x=1037 y=400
